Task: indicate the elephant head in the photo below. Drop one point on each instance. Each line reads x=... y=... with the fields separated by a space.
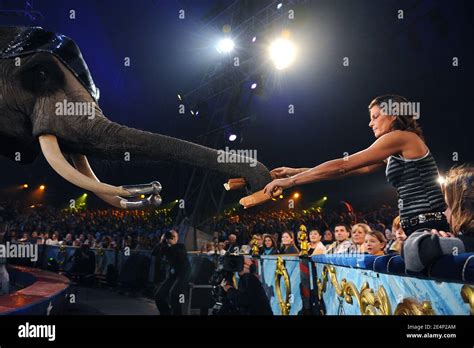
x=49 y=103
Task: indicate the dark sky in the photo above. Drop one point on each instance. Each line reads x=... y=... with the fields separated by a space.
x=411 y=57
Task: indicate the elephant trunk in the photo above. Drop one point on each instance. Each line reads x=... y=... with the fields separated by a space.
x=100 y=137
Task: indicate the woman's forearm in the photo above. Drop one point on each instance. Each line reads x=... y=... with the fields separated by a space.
x=300 y=170
x=333 y=169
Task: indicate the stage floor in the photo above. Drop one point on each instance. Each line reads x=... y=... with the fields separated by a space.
x=93 y=301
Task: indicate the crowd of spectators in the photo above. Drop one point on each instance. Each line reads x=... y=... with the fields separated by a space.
x=108 y=228
x=277 y=232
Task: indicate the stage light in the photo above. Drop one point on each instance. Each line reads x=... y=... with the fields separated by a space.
x=197 y=113
x=279 y=6
x=254 y=85
x=85 y=195
x=42 y=187
x=142 y=196
x=25 y=186
x=232 y=137
x=296 y=195
x=325 y=198
x=176 y=201
x=282 y=53
x=441 y=179
x=225 y=46
x=179 y=97
x=281 y=196
x=254 y=39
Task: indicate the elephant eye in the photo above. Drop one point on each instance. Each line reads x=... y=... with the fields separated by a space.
x=42 y=78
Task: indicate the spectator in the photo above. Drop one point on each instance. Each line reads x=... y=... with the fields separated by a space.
x=53 y=241
x=342 y=243
x=395 y=245
x=328 y=238
x=276 y=238
x=423 y=247
x=375 y=243
x=269 y=245
x=288 y=245
x=232 y=245
x=315 y=245
x=358 y=237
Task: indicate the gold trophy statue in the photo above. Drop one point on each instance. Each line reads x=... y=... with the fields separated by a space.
x=303 y=238
x=254 y=244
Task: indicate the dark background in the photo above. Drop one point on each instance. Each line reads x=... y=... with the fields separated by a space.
x=411 y=57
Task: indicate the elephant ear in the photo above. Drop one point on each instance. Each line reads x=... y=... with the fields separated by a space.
x=36 y=39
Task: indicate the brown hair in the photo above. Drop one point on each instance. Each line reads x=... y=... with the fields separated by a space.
x=292 y=235
x=459 y=195
x=343 y=225
x=274 y=244
x=378 y=235
x=402 y=122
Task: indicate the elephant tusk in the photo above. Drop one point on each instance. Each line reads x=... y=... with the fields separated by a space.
x=52 y=153
x=82 y=165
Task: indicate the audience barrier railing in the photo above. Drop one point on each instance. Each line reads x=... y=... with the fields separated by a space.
x=335 y=284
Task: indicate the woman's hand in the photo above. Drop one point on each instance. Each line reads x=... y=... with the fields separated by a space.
x=442 y=233
x=283 y=172
x=272 y=187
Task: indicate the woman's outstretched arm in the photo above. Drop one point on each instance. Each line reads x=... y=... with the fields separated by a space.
x=359 y=163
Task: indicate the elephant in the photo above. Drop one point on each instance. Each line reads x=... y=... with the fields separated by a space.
x=45 y=89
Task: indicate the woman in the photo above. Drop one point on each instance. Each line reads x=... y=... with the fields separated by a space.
x=425 y=246
x=400 y=147
x=328 y=238
x=358 y=233
x=269 y=245
x=315 y=245
x=288 y=245
x=375 y=243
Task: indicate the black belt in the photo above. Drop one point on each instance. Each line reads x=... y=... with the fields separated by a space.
x=421 y=218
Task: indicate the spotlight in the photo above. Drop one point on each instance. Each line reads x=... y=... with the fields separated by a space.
x=85 y=195
x=25 y=186
x=279 y=6
x=254 y=39
x=232 y=137
x=197 y=113
x=282 y=53
x=192 y=112
x=325 y=198
x=142 y=196
x=176 y=201
x=254 y=85
x=441 y=180
x=179 y=97
x=42 y=187
x=296 y=195
x=225 y=46
x=281 y=196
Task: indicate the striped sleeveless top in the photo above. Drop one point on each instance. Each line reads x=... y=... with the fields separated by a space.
x=416 y=181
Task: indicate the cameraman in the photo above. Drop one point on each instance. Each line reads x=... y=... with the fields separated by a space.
x=172 y=293
x=250 y=296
